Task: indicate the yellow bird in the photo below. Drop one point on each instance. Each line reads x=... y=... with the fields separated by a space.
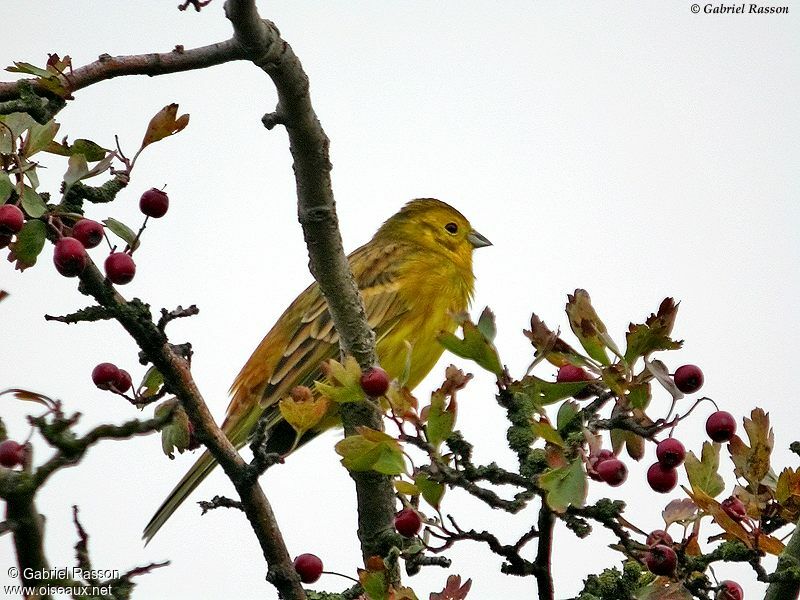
x=413 y=275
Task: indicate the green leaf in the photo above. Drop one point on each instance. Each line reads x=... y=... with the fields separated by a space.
x=474 y=346
x=431 y=491
x=542 y=392
x=6 y=187
x=39 y=137
x=122 y=231
x=486 y=325
x=175 y=434
x=32 y=203
x=28 y=69
x=77 y=169
x=753 y=462
x=566 y=415
x=17 y=122
x=565 y=486
x=702 y=472
x=92 y=151
x=543 y=429
x=30 y=242
x=406 y=488
x=587 y=326
x=375 y=584
x=639 y=395
x=653 y=334
x=441 y=419
x=371 y=450
x=151 y=383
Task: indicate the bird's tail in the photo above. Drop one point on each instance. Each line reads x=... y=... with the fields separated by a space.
x=186 y=486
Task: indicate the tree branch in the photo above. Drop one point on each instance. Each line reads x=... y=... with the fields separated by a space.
x=309 y=144
x=109 y=67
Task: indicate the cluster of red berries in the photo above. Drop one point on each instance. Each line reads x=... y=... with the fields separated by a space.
x=605 y=466
x=108 y=376
x=70 y=256
x=12 y=454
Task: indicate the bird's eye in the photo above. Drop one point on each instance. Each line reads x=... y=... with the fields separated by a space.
x=451 y=228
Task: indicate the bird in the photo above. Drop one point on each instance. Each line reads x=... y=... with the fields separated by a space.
x=414 y=275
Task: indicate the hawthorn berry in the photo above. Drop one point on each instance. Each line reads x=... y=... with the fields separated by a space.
x=120 y=268
x=11 y=453
x=88 y=232
x=661 y=560
x=407 y=522
x=659 y=536
x=721 y=426
x=734 y=508
x=123 y=382
x=105 y=375
x=688 y=378
x=571 y=374
x=70 y=257
x=729 y=590
x=613 y=471
x=670 y=452
x=154 y=203
x=661 y=479
x=11 y=218
x=308 y=567
x=375 y=382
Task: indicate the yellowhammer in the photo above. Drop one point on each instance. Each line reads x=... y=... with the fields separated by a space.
x=413 y=275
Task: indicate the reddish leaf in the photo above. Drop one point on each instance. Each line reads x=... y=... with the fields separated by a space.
x=453 y=590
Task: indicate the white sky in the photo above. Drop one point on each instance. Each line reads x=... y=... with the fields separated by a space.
x=631 y=148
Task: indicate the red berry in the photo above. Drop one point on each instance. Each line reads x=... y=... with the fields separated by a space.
x=120 y=268
x=662 y=479
x=374 y=382
x=613 y=471
x=729 y=590
x=734 y=508
x=721 y=426
x=154 y=203
x=105 y=375
x=688 y=378
x=88 y=232
x=670 y=452
x=11 y=454
x=407 y=522
x=572 y=374
x=603 y=455
x=661 y=560
x=11 y=218
x=308 y=567
x=5 y=240
x=123 y=382
x=70 y=257
x=659 y=536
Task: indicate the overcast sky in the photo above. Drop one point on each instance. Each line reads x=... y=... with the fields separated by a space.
x=633 y=149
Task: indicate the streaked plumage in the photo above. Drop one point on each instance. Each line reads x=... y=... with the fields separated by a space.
x=413 y=275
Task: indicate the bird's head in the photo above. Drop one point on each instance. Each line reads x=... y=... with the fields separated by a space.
x=437 y=226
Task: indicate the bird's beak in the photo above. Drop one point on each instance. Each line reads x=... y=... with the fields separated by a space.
x=477 y=240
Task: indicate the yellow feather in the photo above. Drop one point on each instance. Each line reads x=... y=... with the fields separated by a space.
x=413 y=275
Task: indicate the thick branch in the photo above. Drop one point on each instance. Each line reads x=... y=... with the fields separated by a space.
x=138 y=322
x=788 y=564
x=327 y=261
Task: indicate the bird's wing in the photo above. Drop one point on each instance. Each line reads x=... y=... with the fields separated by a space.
x=308 y=337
